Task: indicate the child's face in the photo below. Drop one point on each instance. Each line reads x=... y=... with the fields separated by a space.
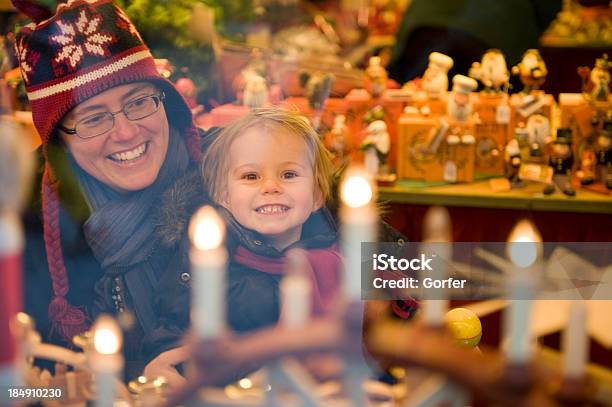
x=271 y=186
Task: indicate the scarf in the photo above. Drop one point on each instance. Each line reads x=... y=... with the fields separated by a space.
x=121 y=233
x=324 y=271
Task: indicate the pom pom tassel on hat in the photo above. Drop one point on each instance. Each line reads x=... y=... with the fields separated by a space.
x=64 y=62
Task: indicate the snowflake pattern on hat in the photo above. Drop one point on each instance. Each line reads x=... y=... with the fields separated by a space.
x=27 y=60
x=81 y=37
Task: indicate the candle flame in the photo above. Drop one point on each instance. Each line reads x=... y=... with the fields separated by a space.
x=524 y=247
x=357 y=190
x=206 y=229
x=107 y=336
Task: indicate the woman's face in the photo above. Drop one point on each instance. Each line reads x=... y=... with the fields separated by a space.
x=129 y=156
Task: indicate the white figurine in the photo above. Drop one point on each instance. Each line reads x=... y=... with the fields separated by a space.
x=376 y=146
x=339 y=134
x=492 y=71
x=459 y=106
x=435 y=78
x=255 y=91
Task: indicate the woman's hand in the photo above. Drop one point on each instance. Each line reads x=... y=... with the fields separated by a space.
x=164 y=365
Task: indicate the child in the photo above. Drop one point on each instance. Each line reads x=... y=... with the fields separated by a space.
x=270 y=177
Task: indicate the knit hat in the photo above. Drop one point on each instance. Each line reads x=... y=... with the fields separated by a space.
x=85 y=48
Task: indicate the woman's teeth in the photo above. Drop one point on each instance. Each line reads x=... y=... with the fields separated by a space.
x=272 y=209
x=130 y=155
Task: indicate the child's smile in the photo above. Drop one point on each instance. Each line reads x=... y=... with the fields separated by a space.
x=272 y=209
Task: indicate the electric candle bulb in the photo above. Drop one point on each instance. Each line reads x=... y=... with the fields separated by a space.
x=356 y=191
x=106 y=336
x=524 y=247
x=206 y=229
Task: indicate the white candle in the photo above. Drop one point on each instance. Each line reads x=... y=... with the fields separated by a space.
x=437 y=234
x=524 y=251
x=208 y=263
x=435 y=306
x=106 y=359
x=516 y=319
x=11 y=244
x=296 y=291
x=359 y=224
x=576 y=342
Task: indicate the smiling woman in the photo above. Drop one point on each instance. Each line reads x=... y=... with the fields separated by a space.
x=114 y=127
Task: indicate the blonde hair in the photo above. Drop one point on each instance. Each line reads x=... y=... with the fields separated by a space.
x=215 y=162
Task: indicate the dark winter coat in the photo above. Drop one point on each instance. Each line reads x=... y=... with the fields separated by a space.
x=83 y=269
x=253 y=295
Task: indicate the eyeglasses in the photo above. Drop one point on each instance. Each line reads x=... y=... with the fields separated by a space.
x=99 y=123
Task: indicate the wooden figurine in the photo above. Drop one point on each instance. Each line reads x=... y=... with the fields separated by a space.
x=531 y=70
x=586 y=154
x=586 y=173
x=255 y=91
x=603 y=151
x=376 y=146
x=561 y=161
x=317 y=88
x=596 y=81
x=492 y=72
x=459 y=106
x=338 y=139
x=256 y=66
x=538 y=130
x=513 y=163
x=435 y=78
x=376 y=77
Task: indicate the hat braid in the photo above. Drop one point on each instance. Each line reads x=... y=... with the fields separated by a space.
x=67 y=320
x=193 y=139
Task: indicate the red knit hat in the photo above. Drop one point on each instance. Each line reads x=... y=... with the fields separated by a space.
x=85 y=48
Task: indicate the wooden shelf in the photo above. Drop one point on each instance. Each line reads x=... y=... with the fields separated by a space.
x=480 y=195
